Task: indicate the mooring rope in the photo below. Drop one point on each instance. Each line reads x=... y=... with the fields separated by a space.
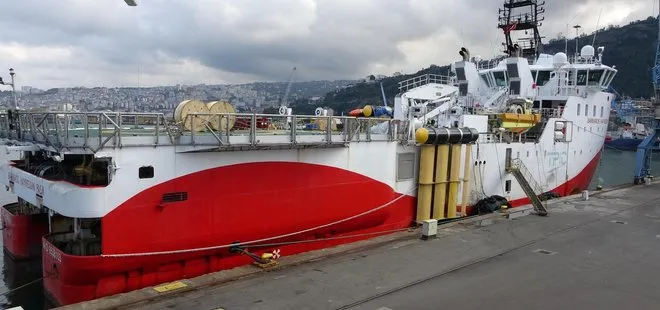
x=263 y=239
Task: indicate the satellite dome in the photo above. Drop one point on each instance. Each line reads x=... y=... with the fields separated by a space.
x=587 y=51
x=559 y=59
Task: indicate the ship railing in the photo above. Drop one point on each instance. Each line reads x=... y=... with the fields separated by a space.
x=422 y=80
x=522 y=18
x=505 y=137
x=486 y=137
x=488 y=64
x=86 y=130
x=577 y=59
x=93 y=131
x=571 y=90
x=547 y=113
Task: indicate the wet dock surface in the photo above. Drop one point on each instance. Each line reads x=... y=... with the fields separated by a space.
x=595 y=254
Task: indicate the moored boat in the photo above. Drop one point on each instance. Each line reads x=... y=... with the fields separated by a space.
x=211 y=189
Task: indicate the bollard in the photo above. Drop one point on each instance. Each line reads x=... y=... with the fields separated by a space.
x=429 y=229
x=585 y=195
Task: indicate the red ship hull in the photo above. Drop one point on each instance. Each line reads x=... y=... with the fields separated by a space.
x=225 y=205
x=310 y=196
x=21 y=234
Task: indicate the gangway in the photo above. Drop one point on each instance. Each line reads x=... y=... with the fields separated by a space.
x=528 y=184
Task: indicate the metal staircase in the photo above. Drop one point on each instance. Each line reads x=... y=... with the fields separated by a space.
x=528 y=184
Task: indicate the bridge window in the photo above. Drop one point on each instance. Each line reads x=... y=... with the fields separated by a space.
x=500 y=78
x=609 y=76
x=507 y=186
x=606 y=76
x=578 y=110
x=586 y=110
x=543 y=78
x=602 y=111
x=581 y=78
x=534 y=75
x=484 y=77
x=594 y=113
x=146 y=172
x=594 y=77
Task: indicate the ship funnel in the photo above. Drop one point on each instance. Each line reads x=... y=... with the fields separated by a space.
x=465 y=54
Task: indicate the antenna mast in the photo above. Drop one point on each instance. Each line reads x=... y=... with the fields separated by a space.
x=522 y=15
x=577 y=38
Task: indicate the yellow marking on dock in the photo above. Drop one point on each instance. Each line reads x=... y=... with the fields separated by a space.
x=169 y=287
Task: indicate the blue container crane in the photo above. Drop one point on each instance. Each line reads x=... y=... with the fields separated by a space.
x=645 y=149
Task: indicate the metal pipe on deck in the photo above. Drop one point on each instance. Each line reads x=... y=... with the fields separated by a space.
x=440 y=189
x=466 y=179
x=454 y=181
x=424 y=189
x=435 y=136
x=432 y=191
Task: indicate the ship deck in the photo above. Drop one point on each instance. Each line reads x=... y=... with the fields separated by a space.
x=596 y=254
x=89 y=132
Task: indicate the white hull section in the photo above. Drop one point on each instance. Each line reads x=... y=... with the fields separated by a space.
x=552 y=164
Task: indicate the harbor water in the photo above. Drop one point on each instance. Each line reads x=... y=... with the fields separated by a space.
x=21 y=285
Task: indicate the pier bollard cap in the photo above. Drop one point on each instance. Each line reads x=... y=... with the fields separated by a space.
x=422 y=135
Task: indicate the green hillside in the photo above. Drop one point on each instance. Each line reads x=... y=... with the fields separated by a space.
x=631 y=48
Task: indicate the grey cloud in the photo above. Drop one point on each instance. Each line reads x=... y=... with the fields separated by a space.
x=242 y=40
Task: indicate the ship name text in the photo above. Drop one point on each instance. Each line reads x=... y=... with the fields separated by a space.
x=27 y=183
x=54 y=253
x=598 y=120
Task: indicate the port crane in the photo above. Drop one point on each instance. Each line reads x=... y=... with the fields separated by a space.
x=645 y=149
x=284 y=108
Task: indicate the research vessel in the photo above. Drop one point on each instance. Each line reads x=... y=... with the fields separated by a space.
x=132 y=200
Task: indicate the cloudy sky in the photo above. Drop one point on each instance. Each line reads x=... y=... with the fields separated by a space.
x=66 y=43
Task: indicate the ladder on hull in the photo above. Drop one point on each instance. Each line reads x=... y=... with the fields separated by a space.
x=528 y=184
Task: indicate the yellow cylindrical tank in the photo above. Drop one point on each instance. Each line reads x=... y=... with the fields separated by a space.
x=425 y=187
x=187 y=107
x=440 y=189
x=466 y=179
x=454 y=173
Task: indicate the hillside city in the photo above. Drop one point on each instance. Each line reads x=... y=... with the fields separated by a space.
x=253 y=97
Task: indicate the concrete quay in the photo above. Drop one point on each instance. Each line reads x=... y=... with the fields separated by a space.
x=601 y=253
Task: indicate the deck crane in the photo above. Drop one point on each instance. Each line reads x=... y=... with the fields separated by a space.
x=382 y=92
x=645 y=149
